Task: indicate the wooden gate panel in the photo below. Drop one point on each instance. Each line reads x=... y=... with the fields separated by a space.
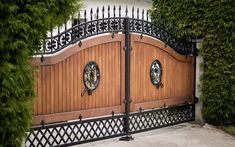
x=177 y=75
x=60 y=81
x=107 y=93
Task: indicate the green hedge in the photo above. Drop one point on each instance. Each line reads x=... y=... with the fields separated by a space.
x=214 y=21
x=22 y=23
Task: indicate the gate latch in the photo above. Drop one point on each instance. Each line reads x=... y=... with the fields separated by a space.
x=86 y=90
x=160 y=85
x=124 y=101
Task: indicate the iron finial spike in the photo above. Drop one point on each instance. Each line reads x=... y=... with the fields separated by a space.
x=114 y=10
x=103 y=12
x=133 y=12
x=143 y=14
x=91 y=13
x=80 y=117
x=85 y=15
x=42 y=122
x=108 y=11
x=126 y=10
x=120 y=9
x=97 y=13
x=78 y=21
x=138 y=13
x=147 y=15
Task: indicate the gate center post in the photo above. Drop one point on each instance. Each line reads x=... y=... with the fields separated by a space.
x=127 y=100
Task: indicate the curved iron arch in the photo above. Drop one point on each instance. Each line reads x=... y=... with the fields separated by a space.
x=113 y=24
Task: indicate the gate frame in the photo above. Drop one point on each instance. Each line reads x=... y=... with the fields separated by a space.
x=113 y=25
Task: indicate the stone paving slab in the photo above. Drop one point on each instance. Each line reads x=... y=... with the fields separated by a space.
x=182 y=135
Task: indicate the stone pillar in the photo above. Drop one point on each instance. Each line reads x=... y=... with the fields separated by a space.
x=198 y=82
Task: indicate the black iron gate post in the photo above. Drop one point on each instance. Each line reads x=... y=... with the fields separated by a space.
x=127 y=99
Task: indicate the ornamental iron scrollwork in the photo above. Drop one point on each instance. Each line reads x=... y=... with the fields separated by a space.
x=139 y=23
x=156 y=73
x=91 y=77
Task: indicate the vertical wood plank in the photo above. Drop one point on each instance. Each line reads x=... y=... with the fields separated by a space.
x=71 y=80
x=56 y=84
x=44 y=90
x=35 y=102
x=60 y=96
x=48 y=89
x=39 y=94
x=64 y=87
x=52 y=89
x=75 y=82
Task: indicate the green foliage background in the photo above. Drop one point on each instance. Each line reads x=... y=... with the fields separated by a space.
x=23 y=23
x=214 y=21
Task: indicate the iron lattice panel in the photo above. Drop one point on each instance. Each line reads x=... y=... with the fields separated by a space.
x=77 y=132
x=71 y=133
x=156 y=118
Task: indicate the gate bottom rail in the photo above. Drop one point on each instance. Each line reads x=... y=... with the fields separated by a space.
x=87 y=130
x=163 y=117
x=76 y=132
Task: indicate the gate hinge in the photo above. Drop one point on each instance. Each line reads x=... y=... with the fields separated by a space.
x=124 y=48
x=124 y=101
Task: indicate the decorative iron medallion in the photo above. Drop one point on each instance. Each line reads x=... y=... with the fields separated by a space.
x=91 y=76
x=156 y=73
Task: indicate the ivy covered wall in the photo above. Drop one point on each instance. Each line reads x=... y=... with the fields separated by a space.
x=23 y=23
x=214 y=21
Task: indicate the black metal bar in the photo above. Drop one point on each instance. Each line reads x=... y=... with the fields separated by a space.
x=127 y=100
x=133 y=9
x=91 y=14
x=119 y=20
x=51 y=40
x=85 y=19
x=97 y=13
x=119 y=11
x=142 y=14
x=138 y=13
x=114 y=11
x=97 y=17
x=103 y=12
x=78 y=18
x=147 y=15
x=108 y=11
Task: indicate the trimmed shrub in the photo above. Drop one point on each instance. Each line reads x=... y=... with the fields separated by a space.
x=214 y=21
x=22 y=24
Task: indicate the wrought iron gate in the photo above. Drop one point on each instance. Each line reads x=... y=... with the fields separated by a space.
x=86 y=130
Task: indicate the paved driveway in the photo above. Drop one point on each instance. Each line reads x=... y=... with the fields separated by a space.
x=183 y=135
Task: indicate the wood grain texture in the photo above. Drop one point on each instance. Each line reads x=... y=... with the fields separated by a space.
x=177 y=75
x=60 y=80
